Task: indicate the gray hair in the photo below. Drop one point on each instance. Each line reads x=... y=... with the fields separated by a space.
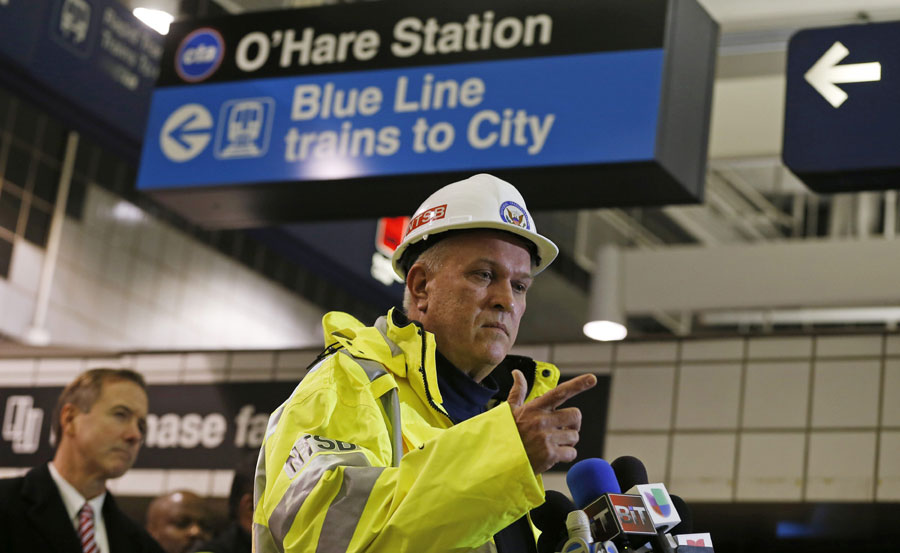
x=432 y=260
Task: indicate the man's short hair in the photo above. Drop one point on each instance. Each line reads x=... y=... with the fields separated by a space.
x=84 y=391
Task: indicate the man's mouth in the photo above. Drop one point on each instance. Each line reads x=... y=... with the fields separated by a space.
x=499 y=326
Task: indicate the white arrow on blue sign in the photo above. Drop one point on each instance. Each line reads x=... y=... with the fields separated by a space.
x=186 y=132
x=841 y=109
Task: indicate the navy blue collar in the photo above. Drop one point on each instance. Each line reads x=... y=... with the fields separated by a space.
x=463 y=397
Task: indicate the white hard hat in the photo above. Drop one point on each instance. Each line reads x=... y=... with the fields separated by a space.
x=479 y=202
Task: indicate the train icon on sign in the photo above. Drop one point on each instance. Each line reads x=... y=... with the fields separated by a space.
x=70 y=26
x=244 y=128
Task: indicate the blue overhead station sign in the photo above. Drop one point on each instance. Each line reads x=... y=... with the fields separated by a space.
x=357 y=110
x=842 y=109
x=90 y=61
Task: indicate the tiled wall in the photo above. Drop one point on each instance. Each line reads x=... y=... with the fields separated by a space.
x=734 y=419
x=125 y=280
x=761 y=419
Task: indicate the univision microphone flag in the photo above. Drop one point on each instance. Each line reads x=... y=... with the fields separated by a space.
x=659 y=505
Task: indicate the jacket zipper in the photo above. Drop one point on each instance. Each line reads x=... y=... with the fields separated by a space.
x=421 y=332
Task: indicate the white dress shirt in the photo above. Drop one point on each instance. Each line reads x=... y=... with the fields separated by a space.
x=74 y=501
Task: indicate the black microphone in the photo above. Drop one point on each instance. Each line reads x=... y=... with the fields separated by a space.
x=550 y=518
x=630 y=472
x=686 y=526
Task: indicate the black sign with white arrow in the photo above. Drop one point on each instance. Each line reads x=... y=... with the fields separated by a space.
x=842 y=107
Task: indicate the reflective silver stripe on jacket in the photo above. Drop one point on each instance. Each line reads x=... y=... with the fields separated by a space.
x=345 y=511
x=381 y=326
x=263 y=542
x=282 y=517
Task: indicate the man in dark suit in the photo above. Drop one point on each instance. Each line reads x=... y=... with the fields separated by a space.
x=63 y=506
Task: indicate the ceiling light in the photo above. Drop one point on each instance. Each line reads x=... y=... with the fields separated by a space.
x=606 y=318
x=605 y=331
x=157 y=20
x=124 y=211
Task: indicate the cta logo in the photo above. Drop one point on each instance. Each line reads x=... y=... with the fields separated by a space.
x=22 y=424
x=512 y=213
x=199 y=55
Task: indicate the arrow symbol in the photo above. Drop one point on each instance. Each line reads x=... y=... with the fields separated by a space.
x=826 y=73
x=178 y=133
x=185 y=133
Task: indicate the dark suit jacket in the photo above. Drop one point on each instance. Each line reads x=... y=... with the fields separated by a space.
x=33 y=519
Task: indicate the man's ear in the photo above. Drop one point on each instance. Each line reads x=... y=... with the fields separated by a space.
x=66 y=416
x=416 y=284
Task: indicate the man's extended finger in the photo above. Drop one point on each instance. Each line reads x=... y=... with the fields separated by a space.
x=562 y=393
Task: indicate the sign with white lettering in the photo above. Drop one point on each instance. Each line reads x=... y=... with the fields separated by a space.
x=90 y=60
x=841 y=111
x=188 y=426
x=254 y=116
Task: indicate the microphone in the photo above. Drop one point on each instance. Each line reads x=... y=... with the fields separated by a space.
x=686 y=526
x=579 y=527
x=589 y=479
x=630 y=472
x=616 y=517
x=550 y=518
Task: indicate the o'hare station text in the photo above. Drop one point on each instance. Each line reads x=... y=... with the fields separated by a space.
x=412 y=36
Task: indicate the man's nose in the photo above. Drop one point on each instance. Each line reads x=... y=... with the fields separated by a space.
x=134 y=433
x=503 y=298
x=195 y=529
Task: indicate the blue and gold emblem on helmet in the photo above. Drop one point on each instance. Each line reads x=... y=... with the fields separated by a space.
x=512 y=213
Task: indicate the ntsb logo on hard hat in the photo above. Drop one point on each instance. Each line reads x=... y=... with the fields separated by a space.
x=199 y=54
x=514 y=214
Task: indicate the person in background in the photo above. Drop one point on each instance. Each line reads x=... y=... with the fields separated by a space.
x=179 y=521
x=421 y=433
x=236 y=536
x=64 y=506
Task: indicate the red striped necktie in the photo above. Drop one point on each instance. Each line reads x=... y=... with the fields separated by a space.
x=86 y=530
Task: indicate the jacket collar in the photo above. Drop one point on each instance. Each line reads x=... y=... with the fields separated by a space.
x=407 y=350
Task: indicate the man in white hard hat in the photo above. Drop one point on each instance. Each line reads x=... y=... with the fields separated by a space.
x=398 y=439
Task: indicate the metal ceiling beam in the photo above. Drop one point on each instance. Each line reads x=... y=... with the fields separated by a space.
x=809 y=273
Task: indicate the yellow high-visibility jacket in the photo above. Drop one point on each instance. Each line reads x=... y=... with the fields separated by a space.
x=338 y=473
